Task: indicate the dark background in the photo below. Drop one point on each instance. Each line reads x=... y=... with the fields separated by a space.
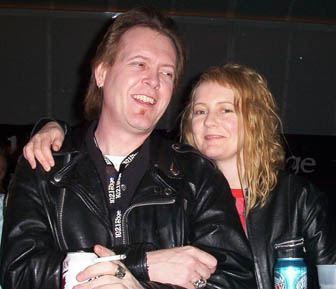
x=46 y=46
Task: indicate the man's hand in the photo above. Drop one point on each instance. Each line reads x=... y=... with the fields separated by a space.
x=39 y=146
x=106 y=274
x=180 y=266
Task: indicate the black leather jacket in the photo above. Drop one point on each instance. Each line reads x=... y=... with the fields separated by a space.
x=294 y=210
x=181 y=200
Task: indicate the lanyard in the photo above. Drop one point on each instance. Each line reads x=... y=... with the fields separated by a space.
x=116 y=198
x=119 y=194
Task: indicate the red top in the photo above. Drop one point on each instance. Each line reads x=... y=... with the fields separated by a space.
x=240 y=205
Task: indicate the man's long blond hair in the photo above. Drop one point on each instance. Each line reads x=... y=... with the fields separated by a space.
x=263 y=153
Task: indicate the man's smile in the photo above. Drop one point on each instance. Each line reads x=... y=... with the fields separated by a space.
x=144 y=98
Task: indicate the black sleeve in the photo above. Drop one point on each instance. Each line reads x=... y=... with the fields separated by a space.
x=43 y=121
x=29 y=255
x=218 y=231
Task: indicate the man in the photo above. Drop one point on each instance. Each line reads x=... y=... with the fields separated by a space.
x=117 y=183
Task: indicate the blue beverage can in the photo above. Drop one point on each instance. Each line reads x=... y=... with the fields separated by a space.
x=290 y=273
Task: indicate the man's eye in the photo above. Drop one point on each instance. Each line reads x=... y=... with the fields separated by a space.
x=168 y=74
x=138 y=64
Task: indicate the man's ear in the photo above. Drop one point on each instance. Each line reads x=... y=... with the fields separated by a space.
x=100 y=73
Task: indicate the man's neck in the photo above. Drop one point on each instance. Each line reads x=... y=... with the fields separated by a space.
x=112 y=141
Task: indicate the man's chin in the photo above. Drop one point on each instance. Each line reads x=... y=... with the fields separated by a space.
x=143 y=129
x=144 y=124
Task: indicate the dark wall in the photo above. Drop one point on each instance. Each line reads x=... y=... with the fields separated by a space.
x=45 y=64
x=45 y=67
x=286 y=10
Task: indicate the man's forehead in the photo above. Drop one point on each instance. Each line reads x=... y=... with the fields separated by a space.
x=135 y=41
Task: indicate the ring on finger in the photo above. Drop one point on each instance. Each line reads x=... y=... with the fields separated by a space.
x=200 y=283
x=120 y=272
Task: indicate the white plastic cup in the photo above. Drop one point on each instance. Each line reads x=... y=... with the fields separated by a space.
x=327 y=276
x=74 y=263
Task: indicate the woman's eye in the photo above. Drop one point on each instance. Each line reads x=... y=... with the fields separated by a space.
x=198 y=112
x=227 y=110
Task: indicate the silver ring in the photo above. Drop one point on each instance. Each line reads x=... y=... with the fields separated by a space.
x=200 y=283
x=120 y=272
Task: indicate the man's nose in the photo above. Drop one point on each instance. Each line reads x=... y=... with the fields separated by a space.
x=152 y=78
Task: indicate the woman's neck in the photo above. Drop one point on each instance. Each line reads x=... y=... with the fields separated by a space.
x=230 y=171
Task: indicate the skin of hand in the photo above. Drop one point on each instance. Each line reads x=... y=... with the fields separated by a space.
x=180 y=266
x=39 y=146
x=106 y=271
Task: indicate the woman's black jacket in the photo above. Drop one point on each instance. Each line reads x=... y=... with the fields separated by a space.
x=295 y=210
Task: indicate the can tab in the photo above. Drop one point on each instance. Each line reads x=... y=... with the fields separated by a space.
x=290 y=249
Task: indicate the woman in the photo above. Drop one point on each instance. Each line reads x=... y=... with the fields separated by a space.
x=232 y=119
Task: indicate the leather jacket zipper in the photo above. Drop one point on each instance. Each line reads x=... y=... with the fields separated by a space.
x=290 y=244
x=256 y=265
x=60 y=218
x=129 y=209
x=67 y=167
x=90 y=204
x=81 y=193
x=257 y=273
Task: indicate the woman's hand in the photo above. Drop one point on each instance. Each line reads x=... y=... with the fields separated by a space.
x=182 y=266
x=50 y=136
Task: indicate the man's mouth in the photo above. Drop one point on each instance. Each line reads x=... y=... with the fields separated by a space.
x=144 y=98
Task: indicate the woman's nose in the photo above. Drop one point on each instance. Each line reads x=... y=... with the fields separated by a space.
x=210 y=120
